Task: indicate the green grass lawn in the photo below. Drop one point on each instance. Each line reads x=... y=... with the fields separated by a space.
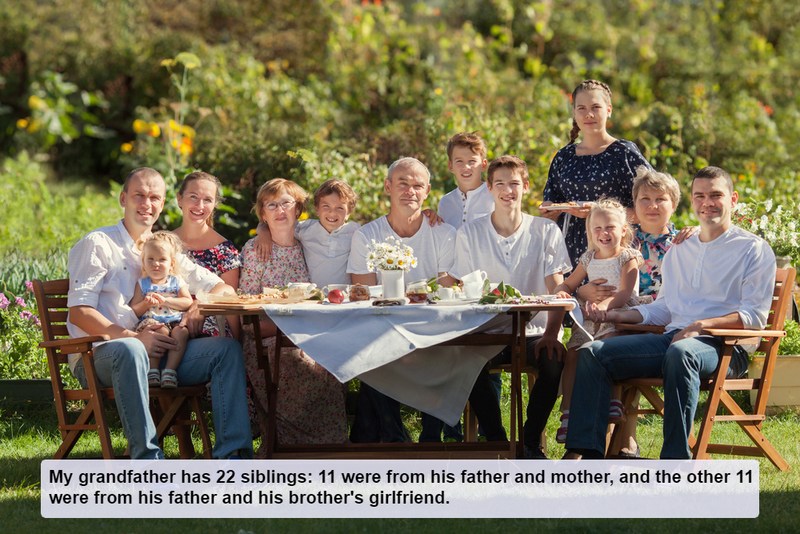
x=28 y=435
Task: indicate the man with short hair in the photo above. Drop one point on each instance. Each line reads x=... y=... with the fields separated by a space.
x=721 y=277
x=407 y=184
x=104 y=267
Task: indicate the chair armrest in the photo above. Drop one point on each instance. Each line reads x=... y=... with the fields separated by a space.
x=645 y=328
x=741 y=332
x=63 y=345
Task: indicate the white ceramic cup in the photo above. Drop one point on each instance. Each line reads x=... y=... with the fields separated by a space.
x=301 y=285
x=446 y=293
x=474 y=276
x=473 y=290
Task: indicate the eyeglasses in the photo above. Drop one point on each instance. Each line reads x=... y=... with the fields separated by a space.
x=286 y=204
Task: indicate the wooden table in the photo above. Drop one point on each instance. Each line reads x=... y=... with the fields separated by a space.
x=519 y=315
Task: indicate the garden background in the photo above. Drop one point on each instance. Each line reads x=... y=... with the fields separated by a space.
x=249 y=90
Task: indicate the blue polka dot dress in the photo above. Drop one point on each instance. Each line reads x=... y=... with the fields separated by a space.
x=587 y=178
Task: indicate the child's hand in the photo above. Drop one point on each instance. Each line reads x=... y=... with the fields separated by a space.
x=685 y=233
x=563 y=295
x=154 y=299
x=433 y=217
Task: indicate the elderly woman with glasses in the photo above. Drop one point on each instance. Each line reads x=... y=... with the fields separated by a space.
x=310 y=404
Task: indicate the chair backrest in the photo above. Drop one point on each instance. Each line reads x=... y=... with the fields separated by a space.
x=51 y=299
x=784 y=282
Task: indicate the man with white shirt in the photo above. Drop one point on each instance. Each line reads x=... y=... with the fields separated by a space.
x=407 y=184
x=721 y=277
x=103 y=269
x=528 y=253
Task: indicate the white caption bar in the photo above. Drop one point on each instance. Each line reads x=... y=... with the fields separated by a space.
x=399 y=488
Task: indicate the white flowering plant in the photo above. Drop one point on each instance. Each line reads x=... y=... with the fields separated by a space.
x=780 y=227
x=390 y=255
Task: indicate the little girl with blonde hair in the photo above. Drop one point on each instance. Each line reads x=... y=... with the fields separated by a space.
x=160 y=298
x=609 y=257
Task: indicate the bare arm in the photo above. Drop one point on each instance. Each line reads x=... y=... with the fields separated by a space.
x=547 y=214
x=549 y=345
x=192 y=318
x=182 y=302
x=138 y=303
x=685 y=233
x=445 y=280
x=370 y=279
x=596 y=291
x=232 y=279
x=433 y=217
x=568 y=287
x=612 y=316
x=263 y=242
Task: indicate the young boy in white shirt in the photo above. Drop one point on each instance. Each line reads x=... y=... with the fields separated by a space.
x=466 y=159
x=326 y=241
x=528 y=253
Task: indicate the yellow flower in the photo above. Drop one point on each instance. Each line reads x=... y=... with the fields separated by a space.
x=155 y=131
x=34 y=125
x=174 y=126
x=188 y=131
x=185 y=149
x=140 y=126
x=36 y=102
x=252 y=232
x=22 y=123
x=438 y=91
x=303 y=216
x=126 y=147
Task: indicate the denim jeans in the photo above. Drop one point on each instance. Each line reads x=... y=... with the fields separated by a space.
x=543 y=395
x=123 y=364
x=681 y=365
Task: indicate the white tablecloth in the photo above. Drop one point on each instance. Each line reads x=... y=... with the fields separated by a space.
x=388 y=347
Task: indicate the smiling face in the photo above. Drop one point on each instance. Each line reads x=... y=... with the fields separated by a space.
x=507 y=188
x=198 y=201
x=143 y=201
x=157 y=261
x=653 y=209
x=592 y=111
x=467 y=166
x=607 y=231
x=407 y=188
x=332 y=212
x=712 y=203
x=280 y=217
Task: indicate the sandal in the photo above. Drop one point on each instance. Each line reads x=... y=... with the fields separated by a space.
x=154 y=378
x=561 y=434
x=169 y=379
x=616 y=412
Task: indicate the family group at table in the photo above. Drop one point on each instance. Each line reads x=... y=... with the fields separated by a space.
x=136 y=286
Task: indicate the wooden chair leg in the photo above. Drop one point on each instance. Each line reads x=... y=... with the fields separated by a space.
x=202 y=426
x=96 y=403
x=699 y=450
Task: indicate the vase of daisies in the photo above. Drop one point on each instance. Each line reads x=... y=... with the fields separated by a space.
x=392 y=259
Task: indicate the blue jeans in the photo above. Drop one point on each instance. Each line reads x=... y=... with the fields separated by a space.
x=122 y=364
x=681 y=365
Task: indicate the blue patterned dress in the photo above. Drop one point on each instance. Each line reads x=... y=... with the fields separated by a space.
x=653 y=248
x=574 y=178
x=218 y=259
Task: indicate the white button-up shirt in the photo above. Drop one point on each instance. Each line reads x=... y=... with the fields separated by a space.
x=458 y=208
x=104 y=269
x=524 y=259
x=733 y=273
x=326 y=252
x=434 y=248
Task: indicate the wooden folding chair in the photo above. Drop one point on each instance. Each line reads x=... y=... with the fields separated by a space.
x=718 y=385
x=51 y=298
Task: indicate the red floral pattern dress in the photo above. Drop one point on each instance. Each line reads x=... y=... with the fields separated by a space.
x=218 y=259
x=310 y=402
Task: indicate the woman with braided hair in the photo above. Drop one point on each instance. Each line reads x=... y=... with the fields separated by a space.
x=599 y=166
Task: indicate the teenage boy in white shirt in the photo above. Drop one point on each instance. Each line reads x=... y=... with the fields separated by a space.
x=466 y=159
x=407 y=184
x=721 y=277
x=528 y=253
x=104 y=268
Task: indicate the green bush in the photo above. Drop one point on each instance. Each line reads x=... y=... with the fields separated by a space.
x=791 y=343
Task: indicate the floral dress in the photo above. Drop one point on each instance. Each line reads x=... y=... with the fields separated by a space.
x=218 y=259
x=574 y=178
x=653 y=248
x=310 y=404
x=611 y=270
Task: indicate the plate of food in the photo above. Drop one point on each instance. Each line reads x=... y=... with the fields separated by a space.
x=269 y=295
x=565 y=205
